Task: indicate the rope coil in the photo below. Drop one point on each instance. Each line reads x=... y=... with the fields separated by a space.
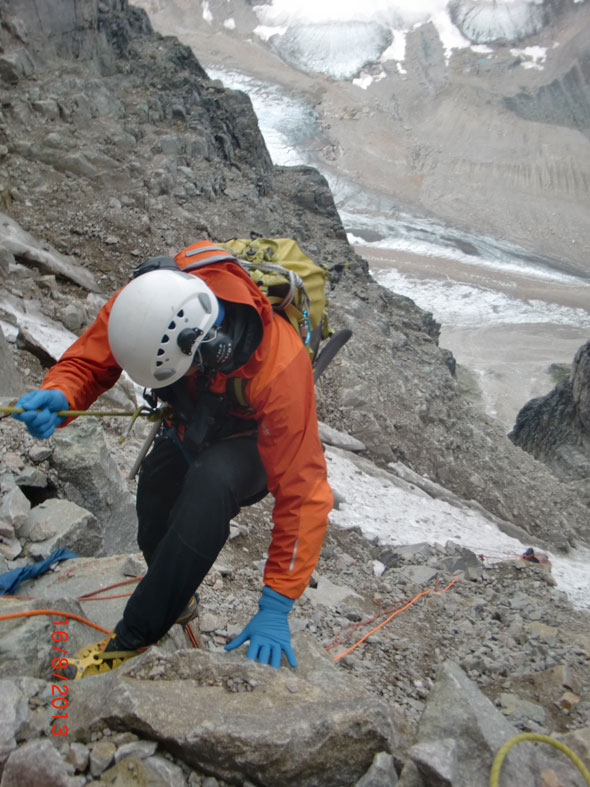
x=534 y=736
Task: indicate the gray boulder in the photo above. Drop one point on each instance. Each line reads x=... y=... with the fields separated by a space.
x=28 y=251
x=15 y=507
x=14 y=712
x=93 y=480
x=242 y=721
x=460 y=734
x=381 y=773
x=35 y=763
x=61 y=523
x=15 y=65
x=26 y=647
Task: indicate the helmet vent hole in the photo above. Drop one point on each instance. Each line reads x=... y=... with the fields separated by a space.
x=165 y=339
x=180 y=313
x=158 y=363
x=172 y=326
x=160 y=351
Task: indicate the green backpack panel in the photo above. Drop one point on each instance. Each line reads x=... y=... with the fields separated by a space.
x=293 y=283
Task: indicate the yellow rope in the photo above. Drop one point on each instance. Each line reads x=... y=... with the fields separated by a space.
x=147 y=412
x=535 y=736
x=77 y=413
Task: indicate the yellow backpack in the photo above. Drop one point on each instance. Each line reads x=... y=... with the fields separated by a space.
x=293 y=283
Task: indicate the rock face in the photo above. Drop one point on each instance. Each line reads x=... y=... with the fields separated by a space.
x=556 y=428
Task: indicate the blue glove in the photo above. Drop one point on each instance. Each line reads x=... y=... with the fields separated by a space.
x=268 y=631
x=41 y=409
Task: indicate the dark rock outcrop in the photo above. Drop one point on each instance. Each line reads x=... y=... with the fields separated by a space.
x=565 y=101
x=556 y=428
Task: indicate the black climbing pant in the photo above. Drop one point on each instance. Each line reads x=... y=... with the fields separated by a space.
x=184 y=507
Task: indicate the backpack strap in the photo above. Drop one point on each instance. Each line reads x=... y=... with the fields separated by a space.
x=235 y=390
x=213 y=254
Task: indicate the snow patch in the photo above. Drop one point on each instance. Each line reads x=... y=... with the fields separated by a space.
x=397 y=513
x=397 y=50
x=207 y=15
x=535 y=56
x=266 y=32
x=365 y=79
x=451 y=38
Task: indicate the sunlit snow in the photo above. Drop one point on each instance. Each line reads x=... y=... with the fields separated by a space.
x=397 y=50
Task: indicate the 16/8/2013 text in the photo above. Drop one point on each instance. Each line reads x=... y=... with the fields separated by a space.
x=59 y=690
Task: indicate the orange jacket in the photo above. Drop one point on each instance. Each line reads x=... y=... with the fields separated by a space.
x=279 y=390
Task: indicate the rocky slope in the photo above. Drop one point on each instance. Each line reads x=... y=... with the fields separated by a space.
x=115 y=146
x=429 y=696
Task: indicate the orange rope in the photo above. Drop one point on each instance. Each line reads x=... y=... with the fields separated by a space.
x=397 y=612
x=72 y=615
x=191 y=636
x=108 y=587
x=87 y=596
x=346 y=631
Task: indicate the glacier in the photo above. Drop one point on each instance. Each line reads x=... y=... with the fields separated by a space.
x=483 y=22
x=338 y=49
x=339 y=37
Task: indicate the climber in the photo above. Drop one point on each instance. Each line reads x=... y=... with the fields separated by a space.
x=182 y=335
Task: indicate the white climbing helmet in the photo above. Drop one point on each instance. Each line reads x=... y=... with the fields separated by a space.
x=156 y=324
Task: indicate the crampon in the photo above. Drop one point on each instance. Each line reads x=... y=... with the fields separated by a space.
x=94 y=659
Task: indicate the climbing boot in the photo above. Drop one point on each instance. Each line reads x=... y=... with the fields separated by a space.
x=98 y=657
x=190 y=612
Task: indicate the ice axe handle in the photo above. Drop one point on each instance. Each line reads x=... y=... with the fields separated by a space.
x=144 y=449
